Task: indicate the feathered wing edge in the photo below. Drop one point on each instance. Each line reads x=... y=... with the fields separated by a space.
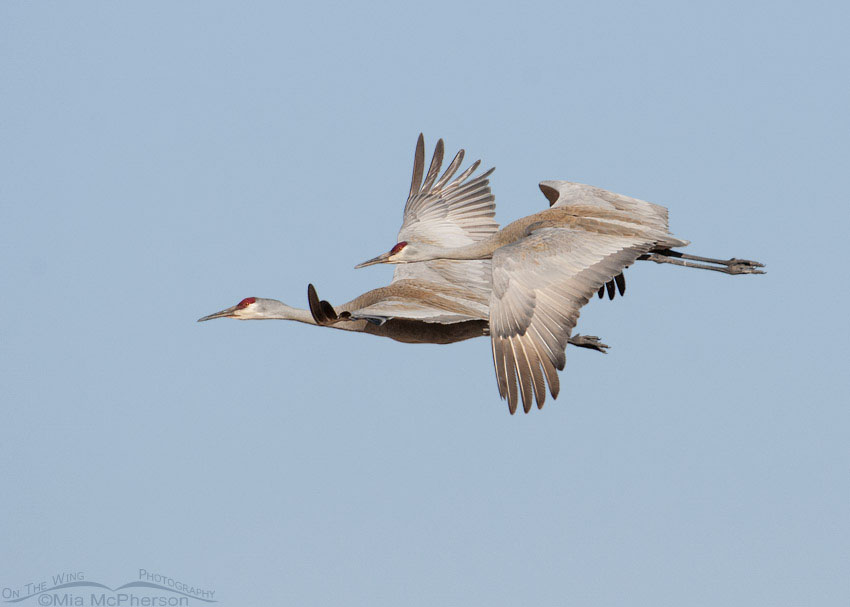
x=449 y=209
x=534 y=307
x=565 y=193
x=442 y=208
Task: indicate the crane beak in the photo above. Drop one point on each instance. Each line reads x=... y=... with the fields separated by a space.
x=223 y=314
x=383 y=258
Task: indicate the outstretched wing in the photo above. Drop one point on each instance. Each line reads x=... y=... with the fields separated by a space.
x=539 y=285
x=568 y=193
x=428 y=302
x=447 y=211
x=408 y=299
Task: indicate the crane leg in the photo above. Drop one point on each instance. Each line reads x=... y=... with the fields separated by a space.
x=588 y=341
x=727 y=266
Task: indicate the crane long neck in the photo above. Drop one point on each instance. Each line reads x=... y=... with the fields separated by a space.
x=482 y=249
x=277 y=310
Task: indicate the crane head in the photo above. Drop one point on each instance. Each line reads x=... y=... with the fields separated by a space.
x=248 y=308
x=395 y=255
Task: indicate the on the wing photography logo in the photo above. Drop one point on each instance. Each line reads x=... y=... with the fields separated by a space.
x=73 y=589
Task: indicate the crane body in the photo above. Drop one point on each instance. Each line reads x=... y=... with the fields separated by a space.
x=544 y=268
x=459 y=276
x=439 y=302
x=405 y=330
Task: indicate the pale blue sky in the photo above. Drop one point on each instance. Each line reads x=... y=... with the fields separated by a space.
x=161 y=161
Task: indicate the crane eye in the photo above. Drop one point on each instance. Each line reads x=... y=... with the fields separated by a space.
x=246 y=302
x=398 y=247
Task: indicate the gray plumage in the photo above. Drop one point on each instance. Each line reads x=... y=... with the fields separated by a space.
x=543 y=268
x=438 y=301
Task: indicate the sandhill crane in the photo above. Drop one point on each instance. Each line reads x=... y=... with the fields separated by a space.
x=358 y=315
x=348 y=317
x=438 y=302
x=544 y=268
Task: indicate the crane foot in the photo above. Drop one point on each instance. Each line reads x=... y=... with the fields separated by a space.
x=744 y=266
x=588 y=341
x=727 y=266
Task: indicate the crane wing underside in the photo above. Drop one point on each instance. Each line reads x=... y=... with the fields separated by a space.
x=426 y=305
x=445 y=211
x=448 y=211
x=539 y=285
x=382 y=313
x=407 y=300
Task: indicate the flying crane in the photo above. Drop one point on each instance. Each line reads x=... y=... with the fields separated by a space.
x=542 y=268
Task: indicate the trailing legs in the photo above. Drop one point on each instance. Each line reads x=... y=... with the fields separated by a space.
x=727 y=266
